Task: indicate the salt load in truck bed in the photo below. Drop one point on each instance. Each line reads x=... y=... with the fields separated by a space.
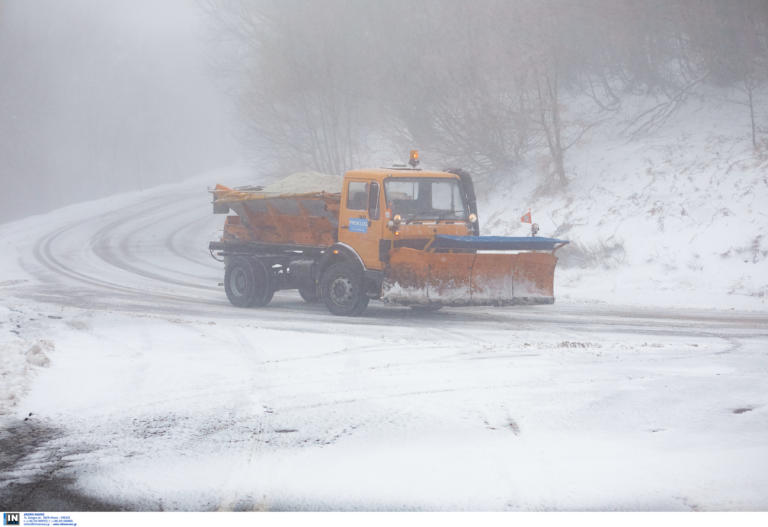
x=303 y=219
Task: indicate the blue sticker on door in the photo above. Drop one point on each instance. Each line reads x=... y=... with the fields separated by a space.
x=358 y=225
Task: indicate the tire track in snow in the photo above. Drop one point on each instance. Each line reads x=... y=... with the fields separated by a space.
x=102 y=245
x=169 y=218
x=172 y=244
x=45 y=253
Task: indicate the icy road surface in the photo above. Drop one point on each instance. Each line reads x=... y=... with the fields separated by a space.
x=129 y=382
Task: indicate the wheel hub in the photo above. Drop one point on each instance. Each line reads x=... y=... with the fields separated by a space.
x=341 y=290
x=238 y=282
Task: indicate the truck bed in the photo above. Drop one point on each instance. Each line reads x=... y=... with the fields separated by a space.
x=310 y=219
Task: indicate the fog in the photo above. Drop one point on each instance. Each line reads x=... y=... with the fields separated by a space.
x=483 y=85
x=98 y=97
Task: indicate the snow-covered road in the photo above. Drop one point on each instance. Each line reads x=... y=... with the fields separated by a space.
x=129 y=381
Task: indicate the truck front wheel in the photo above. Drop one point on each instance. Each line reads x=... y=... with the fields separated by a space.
x=248 y=282
x=342 y=289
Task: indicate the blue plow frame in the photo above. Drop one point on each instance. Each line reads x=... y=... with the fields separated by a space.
x=497 y=243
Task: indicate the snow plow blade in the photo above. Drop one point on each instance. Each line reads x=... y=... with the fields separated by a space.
x=470 y=279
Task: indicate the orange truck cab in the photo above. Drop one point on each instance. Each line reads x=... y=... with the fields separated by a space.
x=387 y=208
x=401 y=235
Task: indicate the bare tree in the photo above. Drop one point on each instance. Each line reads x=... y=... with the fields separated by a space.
x=325 y=84
x=731 y=39
x=303 y=81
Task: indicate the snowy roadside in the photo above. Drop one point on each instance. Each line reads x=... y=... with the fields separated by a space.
x=676 y=218
x=23 y=355
x=289 y=408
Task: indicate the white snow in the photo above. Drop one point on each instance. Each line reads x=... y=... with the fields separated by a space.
x=677 y=217
x=159 y=395
x=292 y=408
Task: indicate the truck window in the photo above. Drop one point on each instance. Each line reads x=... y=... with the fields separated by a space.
x=447 y=198
x=425 y=198
x=373 y=202
x=357 y=195
x=402 y=190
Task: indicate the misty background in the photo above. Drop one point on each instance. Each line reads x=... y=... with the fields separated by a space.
x=101 y=97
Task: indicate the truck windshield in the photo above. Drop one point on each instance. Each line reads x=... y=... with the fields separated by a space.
x=425 y=198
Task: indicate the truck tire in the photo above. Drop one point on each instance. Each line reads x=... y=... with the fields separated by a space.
x=341 y=288
x=309 y=294
x=248 y=283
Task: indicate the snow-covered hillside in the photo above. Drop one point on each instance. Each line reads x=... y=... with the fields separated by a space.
x=674 y=217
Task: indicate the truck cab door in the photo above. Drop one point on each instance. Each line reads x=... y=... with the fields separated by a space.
x=360 y=220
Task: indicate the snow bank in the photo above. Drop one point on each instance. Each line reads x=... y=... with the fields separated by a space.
x=21 y=356
x=674 y=218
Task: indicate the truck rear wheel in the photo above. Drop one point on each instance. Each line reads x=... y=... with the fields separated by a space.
x=248 y=282
x=342 y=289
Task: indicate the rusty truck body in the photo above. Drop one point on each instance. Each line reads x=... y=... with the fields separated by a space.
x=401 y=235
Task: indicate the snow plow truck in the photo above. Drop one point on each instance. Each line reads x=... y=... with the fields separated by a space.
x=402 y=235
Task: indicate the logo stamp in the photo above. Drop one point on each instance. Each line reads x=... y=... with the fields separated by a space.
x=10 y=518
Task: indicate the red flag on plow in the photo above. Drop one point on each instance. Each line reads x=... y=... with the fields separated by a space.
x=526 y=217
